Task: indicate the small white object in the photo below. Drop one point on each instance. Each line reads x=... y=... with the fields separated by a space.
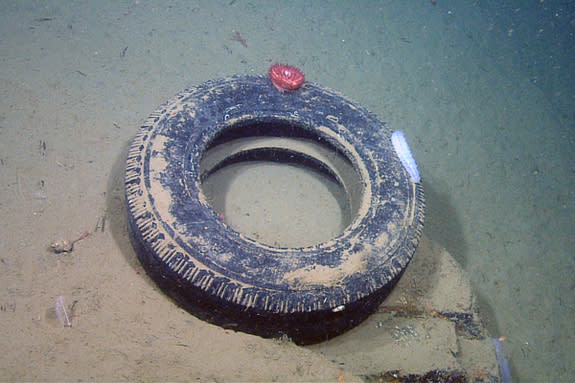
x=404 y=153
x=338 y=309
x=61 y=313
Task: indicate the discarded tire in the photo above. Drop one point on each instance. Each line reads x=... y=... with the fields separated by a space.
x=220 y=275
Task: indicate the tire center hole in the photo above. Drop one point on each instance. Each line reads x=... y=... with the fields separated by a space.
x=281 y=191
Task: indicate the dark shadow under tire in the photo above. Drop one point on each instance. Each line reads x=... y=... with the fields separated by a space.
x=222 y=276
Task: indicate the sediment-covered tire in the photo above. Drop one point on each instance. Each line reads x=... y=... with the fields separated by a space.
x=220 y=275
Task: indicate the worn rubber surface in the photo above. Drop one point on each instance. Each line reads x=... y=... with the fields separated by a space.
x=220 y=275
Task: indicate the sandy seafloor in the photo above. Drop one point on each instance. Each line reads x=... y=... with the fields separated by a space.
x=484 y=91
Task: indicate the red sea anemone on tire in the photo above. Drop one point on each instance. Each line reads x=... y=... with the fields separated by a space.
x=286 y=77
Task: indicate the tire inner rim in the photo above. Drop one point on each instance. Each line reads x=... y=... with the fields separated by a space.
x=280 y=184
